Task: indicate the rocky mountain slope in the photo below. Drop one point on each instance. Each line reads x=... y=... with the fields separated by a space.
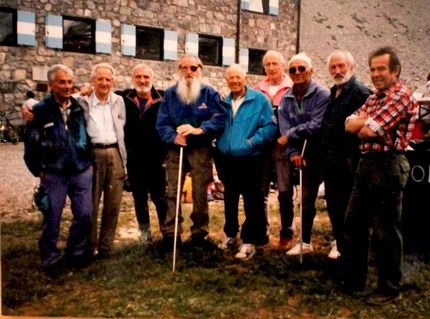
x=364 y=25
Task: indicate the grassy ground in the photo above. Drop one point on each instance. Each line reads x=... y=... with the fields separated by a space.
x=208 y=283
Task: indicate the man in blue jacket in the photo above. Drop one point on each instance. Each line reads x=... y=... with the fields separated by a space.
x=301 y=114
x=189 y=116
x=58 y=151
x=251 y=125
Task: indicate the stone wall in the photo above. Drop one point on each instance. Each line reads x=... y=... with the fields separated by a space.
x=215 y=17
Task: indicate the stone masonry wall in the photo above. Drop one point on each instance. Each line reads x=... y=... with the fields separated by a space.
x=215 y=17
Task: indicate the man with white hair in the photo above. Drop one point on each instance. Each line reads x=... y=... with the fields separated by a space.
x=189 y=116
x=105 y=116
x=340 y=148
x=251 y=125
x=145 y=150
x=301 y=113
x=274 y=86
x=58 y=151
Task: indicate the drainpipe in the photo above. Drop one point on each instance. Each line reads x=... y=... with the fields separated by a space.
x=299 y=4
x=239 y=15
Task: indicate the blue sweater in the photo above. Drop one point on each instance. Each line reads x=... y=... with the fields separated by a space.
x=253 y=121
x=207 y=113
x=54 y=147
x=300 y=122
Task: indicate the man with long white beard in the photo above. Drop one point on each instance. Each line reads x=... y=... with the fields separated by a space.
x=145 y=150
x=340 y=148
x=189 y=116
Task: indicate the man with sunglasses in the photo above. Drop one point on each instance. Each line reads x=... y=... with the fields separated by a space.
x=301 y=112
x=274 y=86
x=190 y=115
x=340 y=148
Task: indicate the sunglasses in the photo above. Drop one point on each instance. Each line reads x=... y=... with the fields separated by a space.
x=293 y=70
x=192 y=68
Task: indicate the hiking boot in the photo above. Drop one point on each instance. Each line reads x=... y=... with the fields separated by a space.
x=382 y=299
x=145 y=237
x=227 y=243
x=246 y=252
x=334 y=253
x=306 y=248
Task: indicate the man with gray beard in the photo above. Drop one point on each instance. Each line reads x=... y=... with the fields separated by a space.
x=189 y=116
x=340 y=148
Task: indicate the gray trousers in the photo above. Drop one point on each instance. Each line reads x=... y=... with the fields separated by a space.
x=198 y=162
x=109 y=174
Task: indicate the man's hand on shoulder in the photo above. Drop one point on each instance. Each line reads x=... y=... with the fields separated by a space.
x=27 y=115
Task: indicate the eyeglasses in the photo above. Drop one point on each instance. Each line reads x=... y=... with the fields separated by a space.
x=293 y=70
x=192 y=68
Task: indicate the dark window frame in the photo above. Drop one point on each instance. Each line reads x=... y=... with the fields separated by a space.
x=160 y=46
x=13 y=42
x=88 y=48
x=206 y=52
x=253 y=62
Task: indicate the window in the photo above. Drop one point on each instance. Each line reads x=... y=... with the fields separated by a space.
x=261 y=6
x=78 y=35
x=149 y=43
x=210 y=50
x=256 y=61
x=8 y=23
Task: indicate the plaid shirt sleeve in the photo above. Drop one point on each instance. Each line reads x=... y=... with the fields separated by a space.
x=394 y=112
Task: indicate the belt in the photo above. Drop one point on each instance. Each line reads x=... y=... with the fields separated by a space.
x=103 y=145
x=381 y=154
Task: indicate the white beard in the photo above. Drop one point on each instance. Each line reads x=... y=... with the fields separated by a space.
x=189 y=93
x=143 y=90
x=346 y=77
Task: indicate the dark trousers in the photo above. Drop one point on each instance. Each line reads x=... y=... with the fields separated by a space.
x=338 y=177
x=311 y=179
x=147 y=177
x=243 y=176
x=198 y=162
x=376 y=204
x=58 y=187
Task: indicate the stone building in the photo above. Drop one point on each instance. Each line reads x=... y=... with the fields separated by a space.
x=35 y=34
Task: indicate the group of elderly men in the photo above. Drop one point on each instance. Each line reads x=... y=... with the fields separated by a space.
x=86 y=145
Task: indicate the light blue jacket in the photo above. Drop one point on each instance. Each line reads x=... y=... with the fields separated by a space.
x=302 y=121
x=253 y=121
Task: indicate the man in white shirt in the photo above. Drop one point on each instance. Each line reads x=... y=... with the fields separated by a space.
x=105 y=115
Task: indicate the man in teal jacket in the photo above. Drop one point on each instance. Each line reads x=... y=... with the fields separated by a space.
x=251 y=124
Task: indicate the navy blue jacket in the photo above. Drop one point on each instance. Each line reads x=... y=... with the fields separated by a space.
x=54 y=146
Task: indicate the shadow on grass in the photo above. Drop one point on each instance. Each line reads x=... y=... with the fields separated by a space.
x=208 y=283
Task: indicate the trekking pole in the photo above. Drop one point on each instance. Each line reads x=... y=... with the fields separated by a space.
x=178 y=202
x=301 y=203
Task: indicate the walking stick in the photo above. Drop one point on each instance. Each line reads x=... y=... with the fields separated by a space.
x=178 y=202
x=301 y=204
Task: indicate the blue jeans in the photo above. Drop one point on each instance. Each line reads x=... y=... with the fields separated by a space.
x=78 y=188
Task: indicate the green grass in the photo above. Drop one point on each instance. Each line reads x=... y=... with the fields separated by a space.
x=208 y=283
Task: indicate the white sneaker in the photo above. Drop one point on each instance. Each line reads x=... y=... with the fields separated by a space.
x=306 y=248
x=246 y=251
x=334 y=253
x=227 y=243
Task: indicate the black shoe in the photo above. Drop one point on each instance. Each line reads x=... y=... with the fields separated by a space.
x=198 y=240
x=53 y=270
x=76 y=261
x=104 y=254
x=382 y=299
x=169 y=241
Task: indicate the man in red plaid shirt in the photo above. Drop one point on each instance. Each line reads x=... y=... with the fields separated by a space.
x=384 y=125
